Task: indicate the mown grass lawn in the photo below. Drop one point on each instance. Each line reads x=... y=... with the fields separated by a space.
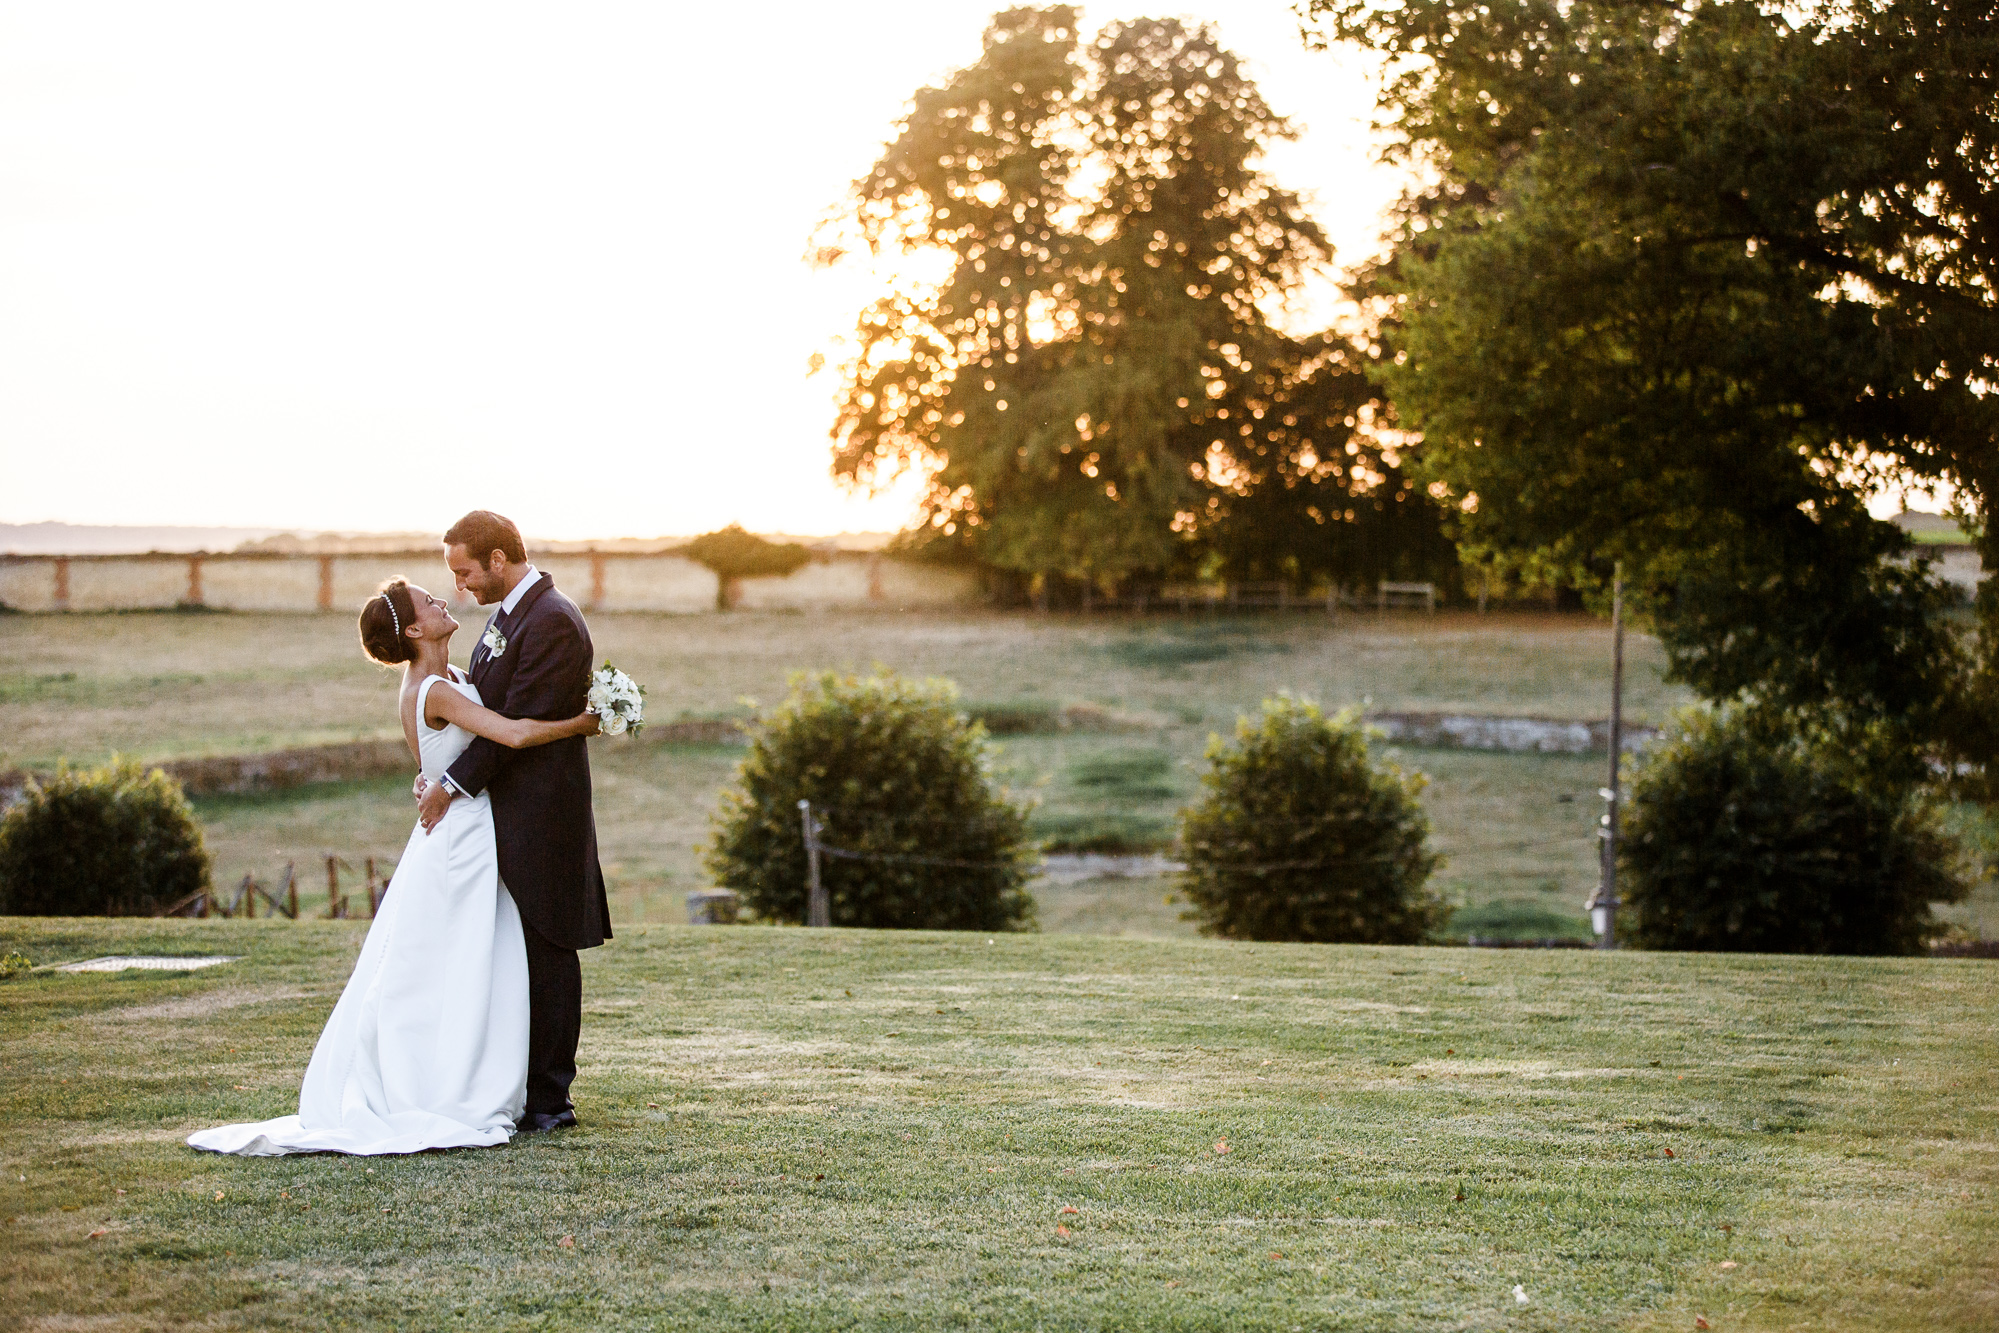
x=792 y=1129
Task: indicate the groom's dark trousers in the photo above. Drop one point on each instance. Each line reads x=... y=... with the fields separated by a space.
x=542 y=821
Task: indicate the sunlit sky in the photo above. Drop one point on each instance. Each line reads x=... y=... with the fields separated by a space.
x=365 y=266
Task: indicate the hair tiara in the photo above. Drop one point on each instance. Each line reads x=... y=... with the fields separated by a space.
x=394 y=619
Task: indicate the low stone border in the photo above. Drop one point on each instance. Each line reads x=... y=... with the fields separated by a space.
x=353 y=761
x=1509 y=735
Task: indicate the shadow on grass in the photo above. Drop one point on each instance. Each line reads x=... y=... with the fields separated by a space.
x=1193 y=644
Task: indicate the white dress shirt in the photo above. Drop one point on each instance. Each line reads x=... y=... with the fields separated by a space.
x=513 y=599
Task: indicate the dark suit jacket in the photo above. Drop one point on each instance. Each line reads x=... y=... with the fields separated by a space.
x=541 y=796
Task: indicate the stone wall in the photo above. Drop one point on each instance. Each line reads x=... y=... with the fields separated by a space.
x=1509 y=735
x=606 y=581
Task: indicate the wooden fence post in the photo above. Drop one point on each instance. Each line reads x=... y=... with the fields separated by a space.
x=62 y=583
x=596 y=581
x=193 y=597
x=326 y=583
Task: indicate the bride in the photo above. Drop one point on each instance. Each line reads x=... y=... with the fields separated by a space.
x=428 y=1046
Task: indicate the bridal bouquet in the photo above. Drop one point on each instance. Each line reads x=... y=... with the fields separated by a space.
x=618 y=699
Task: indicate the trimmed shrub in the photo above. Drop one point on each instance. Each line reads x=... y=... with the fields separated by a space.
x=1302 y=835
x=1746 y=833
x=896 y=774
x=111 y=841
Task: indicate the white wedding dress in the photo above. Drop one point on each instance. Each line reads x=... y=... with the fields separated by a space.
x=428 y=1046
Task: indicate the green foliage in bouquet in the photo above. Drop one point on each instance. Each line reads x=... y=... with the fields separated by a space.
x=1774 y=834
x=896 y=773
x=1302 y=836
x=113 y=841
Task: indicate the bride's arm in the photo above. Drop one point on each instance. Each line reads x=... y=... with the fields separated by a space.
x=516 y=733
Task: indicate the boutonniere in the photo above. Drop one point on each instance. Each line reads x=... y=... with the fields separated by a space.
x=496 y=642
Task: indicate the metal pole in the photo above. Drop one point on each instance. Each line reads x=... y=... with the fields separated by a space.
x=817 y=911
x=1606 y=898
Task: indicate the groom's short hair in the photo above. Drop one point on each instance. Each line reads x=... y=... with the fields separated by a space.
x=483 y=532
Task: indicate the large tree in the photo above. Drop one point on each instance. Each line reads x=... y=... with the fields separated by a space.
x=1093 y=378
x=1685 y=284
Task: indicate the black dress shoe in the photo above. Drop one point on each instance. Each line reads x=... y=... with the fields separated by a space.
x=536 y=1123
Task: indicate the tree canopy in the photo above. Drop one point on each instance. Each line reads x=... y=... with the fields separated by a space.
x=1094 y=380
x=1685 y=284
x=735 y=554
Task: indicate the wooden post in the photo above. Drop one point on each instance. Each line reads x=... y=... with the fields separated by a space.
x=875 y=593
x=291 y=891
x=326 y=583
x=62 y=583
x=332 y=885
x=1604 y=906
x=193 y=581
x=817 y=910
x=596 y=580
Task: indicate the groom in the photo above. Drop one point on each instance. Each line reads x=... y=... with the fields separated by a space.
x=533 y=661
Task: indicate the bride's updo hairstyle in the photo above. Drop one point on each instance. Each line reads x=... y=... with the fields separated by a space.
x=383 y=620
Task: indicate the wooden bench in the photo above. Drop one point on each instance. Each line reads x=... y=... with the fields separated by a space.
x=1407 y=594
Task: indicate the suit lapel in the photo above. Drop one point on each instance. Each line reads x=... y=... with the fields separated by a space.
x=528 y=599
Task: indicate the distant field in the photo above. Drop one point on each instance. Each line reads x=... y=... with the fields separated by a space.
x=801 y=1130
x=166 y=685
